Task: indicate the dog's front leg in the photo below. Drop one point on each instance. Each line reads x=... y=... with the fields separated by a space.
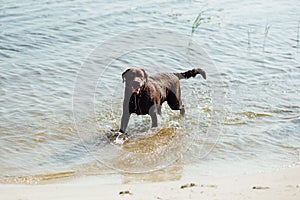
x=126 y=113
x=154 y=119
x=124 y=122
x=153 y=114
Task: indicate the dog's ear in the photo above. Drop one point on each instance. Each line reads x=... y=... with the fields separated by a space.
x=124 y=74
x=146 y=75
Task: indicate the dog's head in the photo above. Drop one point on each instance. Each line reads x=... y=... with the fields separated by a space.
x=135 y=79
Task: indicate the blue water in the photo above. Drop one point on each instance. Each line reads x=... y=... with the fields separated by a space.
x=44 y=45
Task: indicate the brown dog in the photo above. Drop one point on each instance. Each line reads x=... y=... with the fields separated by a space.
x=145 y=94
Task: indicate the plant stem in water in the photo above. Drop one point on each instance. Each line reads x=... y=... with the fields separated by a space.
x=266 y=34
x=298 y=33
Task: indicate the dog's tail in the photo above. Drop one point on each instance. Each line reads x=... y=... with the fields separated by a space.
x=191 y=73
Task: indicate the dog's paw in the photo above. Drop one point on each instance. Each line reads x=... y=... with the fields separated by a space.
x=121 y=138
x=112 y=135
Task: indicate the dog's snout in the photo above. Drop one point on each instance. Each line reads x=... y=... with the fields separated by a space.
x=136 y=84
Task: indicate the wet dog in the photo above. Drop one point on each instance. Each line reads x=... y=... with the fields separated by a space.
x=145 y=94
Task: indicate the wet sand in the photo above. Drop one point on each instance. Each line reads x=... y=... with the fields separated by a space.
x=282 y=184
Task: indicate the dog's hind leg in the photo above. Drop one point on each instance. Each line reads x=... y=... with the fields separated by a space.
x=175 y=102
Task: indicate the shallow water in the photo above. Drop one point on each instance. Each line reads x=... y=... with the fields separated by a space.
x=44 y=45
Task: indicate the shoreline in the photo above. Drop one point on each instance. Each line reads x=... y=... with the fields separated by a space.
x=281 y=184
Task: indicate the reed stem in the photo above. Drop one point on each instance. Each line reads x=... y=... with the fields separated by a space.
x=267 y=28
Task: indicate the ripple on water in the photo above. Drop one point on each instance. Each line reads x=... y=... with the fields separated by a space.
x=43 y=45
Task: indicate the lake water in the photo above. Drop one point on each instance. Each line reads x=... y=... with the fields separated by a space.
x=58 y=94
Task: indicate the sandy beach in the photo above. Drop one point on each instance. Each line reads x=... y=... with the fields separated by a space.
x=282 y=184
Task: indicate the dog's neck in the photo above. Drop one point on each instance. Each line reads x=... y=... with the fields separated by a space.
x=129 y=93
